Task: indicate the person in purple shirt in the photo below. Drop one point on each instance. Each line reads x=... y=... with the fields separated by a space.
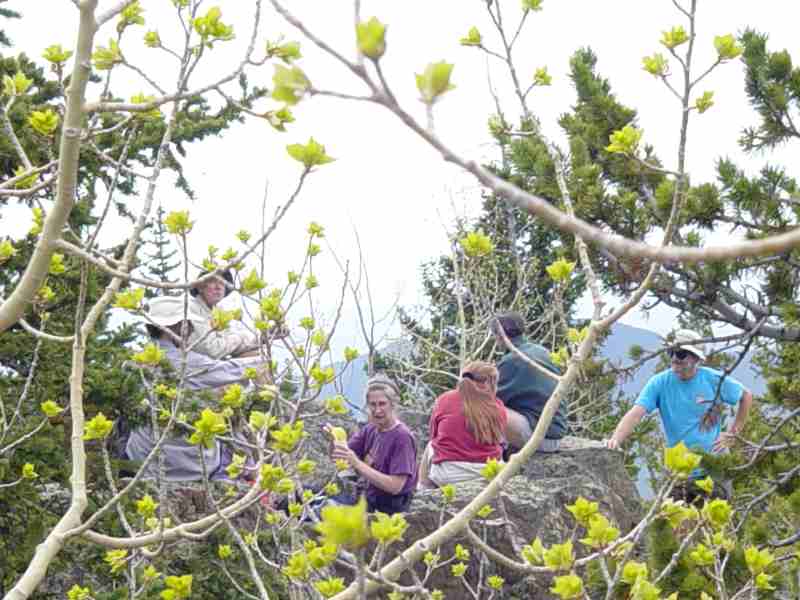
x=383 y=453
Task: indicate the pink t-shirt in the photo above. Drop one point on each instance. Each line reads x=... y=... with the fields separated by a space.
x=450 y=437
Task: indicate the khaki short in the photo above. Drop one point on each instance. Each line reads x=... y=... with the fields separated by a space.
x=450 y=471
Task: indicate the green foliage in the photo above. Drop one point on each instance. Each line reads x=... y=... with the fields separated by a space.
x=476 y=244
x=434 y=81
x=567 y=587
x=211 y=29
x=207 y=427
x=541 y=77
x=679 y=461
x=656 y=64
x=473 y=38
x=97 y=428
x=371 y=38
x=290 y=84
x=310 y=155
x=625 y=140
x=674 y=37
x=104 y=58
x=345 y=526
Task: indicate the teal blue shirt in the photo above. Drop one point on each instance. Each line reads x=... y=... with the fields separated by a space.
x=682 y=404
x=523 y=389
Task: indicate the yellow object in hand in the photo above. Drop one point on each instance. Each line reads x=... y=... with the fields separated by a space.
x=341 y=464
x=339 y=434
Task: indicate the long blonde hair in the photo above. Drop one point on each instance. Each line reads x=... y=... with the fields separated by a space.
x=478 y=388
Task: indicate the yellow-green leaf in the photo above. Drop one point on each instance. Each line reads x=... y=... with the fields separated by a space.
x=290 y=84
x=150 y=355
x=129 y=299
x=131 y=15
x=56 y=54
x=674 y=37
x=704 y=102
x=657 y=65
x=532 y=5
x=44 y=121
x=345 y=526
x=560 y=270
x=29 y=471
x=50 y=408
x=177 y=222
x=57 y=266
x=476 y=244
x=7 y=251
x=625 y=140
x=473 y=38
x=434 y=81
x=371 y=38
x=727 y=47
x=207 y=427
x=104 y=58
x=152 y=39
x=679 y=461
x=311 y=154
x=388 y=529
x=97 y=428
x=559 y=557
x=568 y=587
x=541 y=77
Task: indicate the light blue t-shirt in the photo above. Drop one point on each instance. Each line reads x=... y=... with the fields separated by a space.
x=682 y=404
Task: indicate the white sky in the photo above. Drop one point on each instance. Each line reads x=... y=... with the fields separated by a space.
x=386 y=184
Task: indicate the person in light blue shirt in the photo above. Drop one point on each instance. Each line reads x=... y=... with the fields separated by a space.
x=689 y=399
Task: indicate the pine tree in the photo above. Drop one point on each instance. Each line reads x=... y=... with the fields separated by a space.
x=159 y=253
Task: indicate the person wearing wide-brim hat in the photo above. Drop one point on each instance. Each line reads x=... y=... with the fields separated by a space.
x=168 y=322
x=236 y=339
x=689 y=398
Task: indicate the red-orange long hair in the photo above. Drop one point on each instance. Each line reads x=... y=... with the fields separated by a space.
x=478 y=388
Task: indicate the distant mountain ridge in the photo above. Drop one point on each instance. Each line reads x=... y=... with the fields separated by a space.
x=615 y=349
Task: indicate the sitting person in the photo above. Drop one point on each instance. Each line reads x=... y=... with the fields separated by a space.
x=182 y=459
x=467 y=427
x=524 y=388
x=383 y=453
x=235 y=340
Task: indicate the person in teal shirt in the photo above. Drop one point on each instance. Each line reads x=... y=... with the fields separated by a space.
x=689 y=398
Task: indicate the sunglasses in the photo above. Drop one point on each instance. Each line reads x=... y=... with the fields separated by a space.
x=680 y=354
x=473 y=377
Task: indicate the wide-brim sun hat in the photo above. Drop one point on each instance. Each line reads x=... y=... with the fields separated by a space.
x=226 y=275
x=169 y=310
x=688 y=340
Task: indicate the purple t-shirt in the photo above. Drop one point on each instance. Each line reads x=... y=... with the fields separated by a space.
x=392 y=452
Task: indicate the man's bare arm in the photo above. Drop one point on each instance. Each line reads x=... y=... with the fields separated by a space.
x=626 y=426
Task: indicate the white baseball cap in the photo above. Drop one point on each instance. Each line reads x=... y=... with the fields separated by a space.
x=688 y=340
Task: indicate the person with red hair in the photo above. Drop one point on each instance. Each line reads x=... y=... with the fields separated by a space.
x=466 y=428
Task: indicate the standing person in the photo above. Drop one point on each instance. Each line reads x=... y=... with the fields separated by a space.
x=689 y=399
x=182 y=459
x=233 y=341
x=523 y=388
x=467 y=428
x=383 y=453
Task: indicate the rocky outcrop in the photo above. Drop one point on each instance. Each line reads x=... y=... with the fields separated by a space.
x=533 y=505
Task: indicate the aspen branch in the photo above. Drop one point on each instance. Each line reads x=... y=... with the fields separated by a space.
x=38 y=266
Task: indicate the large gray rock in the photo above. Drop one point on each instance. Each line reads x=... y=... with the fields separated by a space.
x=533 y=505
